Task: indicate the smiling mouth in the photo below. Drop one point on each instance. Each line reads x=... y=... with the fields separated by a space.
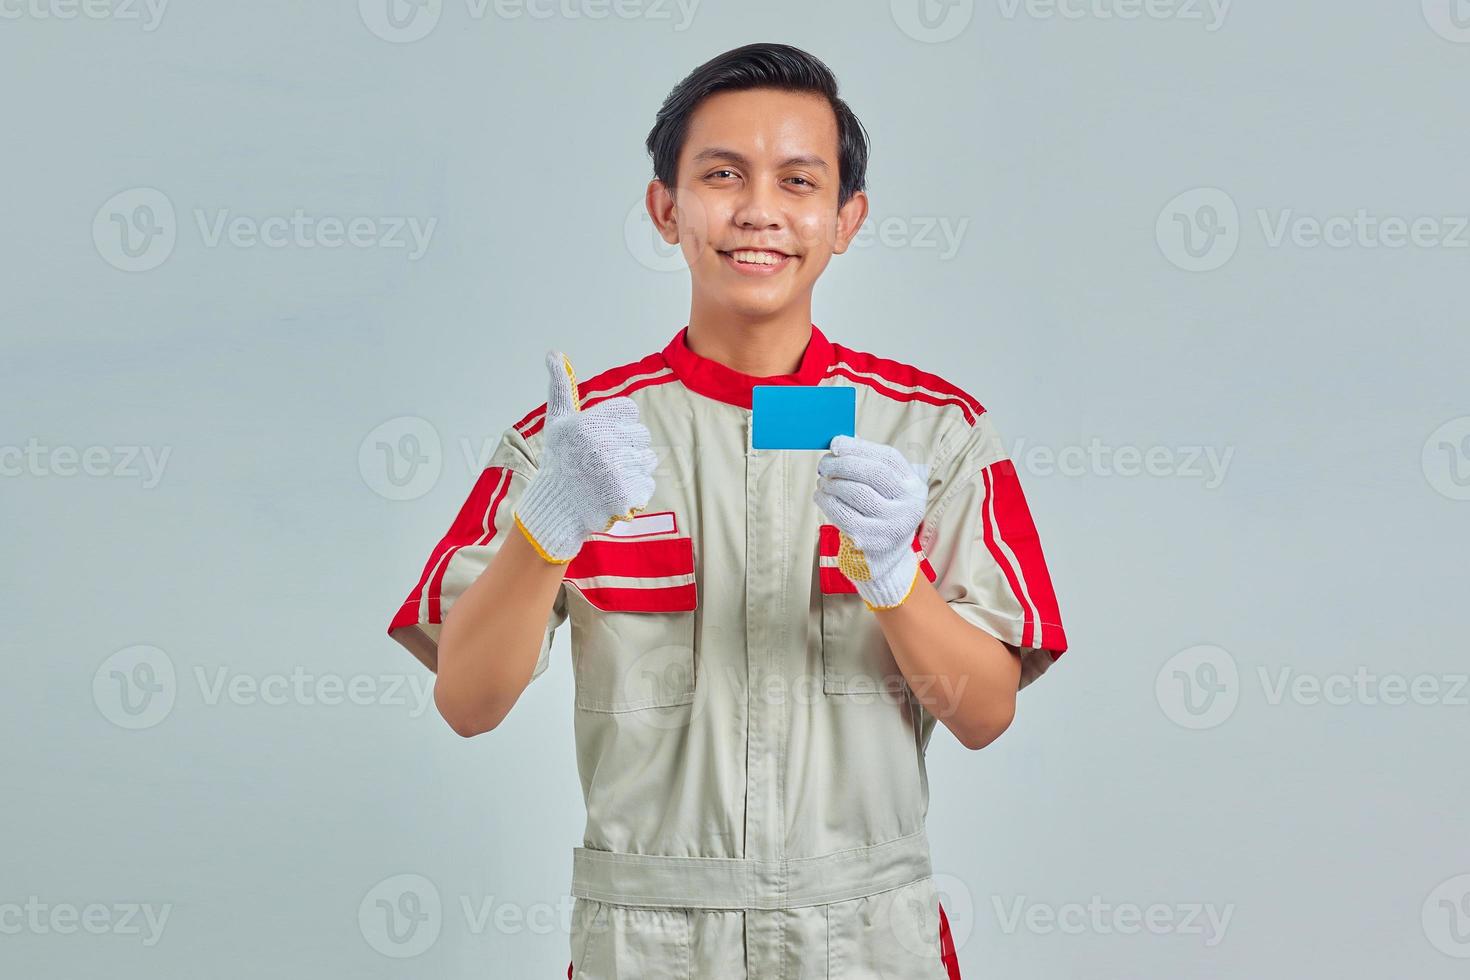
x=756 y=256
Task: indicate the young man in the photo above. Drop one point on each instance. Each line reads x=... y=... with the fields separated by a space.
x=762 y=640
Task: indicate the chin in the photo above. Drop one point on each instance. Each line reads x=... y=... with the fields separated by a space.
x=754 y=306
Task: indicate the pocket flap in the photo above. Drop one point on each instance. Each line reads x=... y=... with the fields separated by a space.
x=636 y=574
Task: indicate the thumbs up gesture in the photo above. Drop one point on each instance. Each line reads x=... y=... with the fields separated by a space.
x=596 y=468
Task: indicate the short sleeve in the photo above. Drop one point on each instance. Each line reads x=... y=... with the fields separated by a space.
x=479 y=529
x=983 y=544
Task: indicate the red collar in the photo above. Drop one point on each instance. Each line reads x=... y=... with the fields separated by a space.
x=714 y=380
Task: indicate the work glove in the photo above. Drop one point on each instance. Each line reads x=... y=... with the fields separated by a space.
x=596 y=468
x=876 y=498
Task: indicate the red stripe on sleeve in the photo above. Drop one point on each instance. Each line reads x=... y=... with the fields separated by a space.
x=475 y=523
x=1031 y=580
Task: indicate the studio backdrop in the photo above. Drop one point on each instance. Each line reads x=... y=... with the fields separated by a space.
x=279 y=275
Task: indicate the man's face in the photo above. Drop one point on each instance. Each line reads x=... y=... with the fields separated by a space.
x=755 y=210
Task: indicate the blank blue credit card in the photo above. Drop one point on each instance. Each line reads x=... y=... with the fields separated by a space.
x=801 y=416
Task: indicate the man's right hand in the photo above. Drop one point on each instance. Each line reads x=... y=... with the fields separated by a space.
x=596 y=468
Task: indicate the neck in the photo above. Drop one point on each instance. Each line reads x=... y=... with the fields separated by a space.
x=759 y=346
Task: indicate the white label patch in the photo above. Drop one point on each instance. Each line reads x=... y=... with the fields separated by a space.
x=641 y=526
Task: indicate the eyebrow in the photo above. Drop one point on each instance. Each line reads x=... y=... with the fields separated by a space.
x=721 y=153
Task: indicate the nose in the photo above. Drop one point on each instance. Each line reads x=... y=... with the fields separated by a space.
x=757 y=208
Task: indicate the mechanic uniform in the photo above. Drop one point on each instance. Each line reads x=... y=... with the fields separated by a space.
x=751 y=757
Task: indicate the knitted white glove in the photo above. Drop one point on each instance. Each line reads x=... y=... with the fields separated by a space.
x=876 y=498
x=596 y=468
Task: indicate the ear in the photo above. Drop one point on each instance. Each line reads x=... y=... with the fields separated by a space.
x=850 y=218
x=659 y=200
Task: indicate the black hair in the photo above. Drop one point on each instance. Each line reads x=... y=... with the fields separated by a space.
x=762 y=65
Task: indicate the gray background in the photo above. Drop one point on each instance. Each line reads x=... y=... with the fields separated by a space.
x=1157 y=765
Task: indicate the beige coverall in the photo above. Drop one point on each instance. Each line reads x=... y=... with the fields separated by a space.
x=751 y=757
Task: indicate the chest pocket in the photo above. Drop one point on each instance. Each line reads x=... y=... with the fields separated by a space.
x=631 y=601
x=856 y=658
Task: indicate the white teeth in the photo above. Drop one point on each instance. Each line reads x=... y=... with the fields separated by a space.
x=757 y=258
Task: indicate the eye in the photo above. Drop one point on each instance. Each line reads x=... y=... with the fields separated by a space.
x=804 y=181
x=721 y=171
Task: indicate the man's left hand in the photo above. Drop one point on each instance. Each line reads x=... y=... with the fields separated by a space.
x=876 y=498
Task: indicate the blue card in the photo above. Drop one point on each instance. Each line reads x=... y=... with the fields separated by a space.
x=801 y=416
